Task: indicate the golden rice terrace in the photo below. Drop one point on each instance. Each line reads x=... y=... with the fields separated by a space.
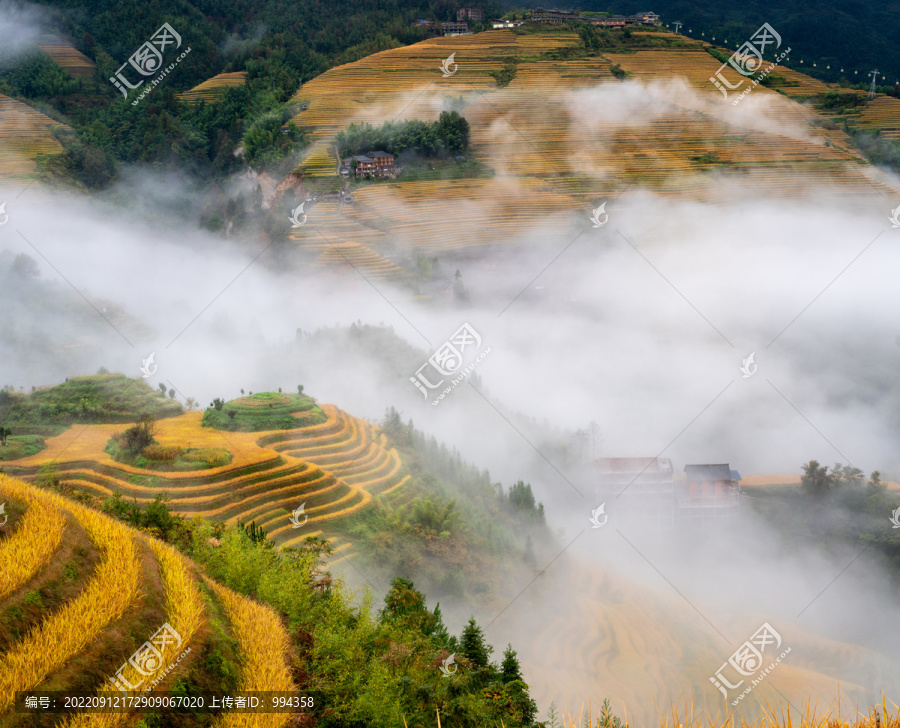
x=555 y=146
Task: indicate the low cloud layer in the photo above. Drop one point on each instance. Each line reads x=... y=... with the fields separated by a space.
x=641 y=326
x=22 y=27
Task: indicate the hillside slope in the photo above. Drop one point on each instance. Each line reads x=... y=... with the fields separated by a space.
x=85 y=591
x=566 y=133
x=333 y=469
x=25 y=133
x=651 y=648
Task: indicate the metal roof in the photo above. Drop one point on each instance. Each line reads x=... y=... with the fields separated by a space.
x=708 y=472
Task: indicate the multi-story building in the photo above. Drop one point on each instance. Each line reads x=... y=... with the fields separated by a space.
x=644 y=493
x=454 y=28
x=647 y=17
x=541 y=15
x=377 y=164
x=476 y=15
x=638 y=492
x=616 y=21
x=709 y=493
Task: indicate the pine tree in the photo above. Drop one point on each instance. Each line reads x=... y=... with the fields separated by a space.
x=440 y=636
x=402 y=600
x=472 y=644
x=509 y=668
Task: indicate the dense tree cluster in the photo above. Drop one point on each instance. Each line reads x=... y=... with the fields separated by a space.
x=448 y=135
x=300 y=41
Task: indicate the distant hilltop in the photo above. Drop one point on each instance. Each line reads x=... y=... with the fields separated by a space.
x=540 y=15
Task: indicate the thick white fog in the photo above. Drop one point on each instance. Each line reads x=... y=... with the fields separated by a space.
x=640 y=325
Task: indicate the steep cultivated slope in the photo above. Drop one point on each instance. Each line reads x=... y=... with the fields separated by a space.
x=86 y=591
x=558 y=142
x=332 y=469
x=24 y=134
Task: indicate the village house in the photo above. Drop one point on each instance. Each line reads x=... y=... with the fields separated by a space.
x=476 y=15
x=648 y=17
x=455 y=29
x=644 y=493
x=709 y=493
x=506 y=23
x=617 y=21
x=542 y=15
x=638 y=491
x=377 y=164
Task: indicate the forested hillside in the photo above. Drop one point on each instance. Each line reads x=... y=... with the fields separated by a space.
x=856 y=36
x=278 y=47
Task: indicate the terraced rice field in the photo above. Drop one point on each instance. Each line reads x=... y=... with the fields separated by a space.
x=320 y=162
x=24 y=133
x=550 y=152
x=409 y=210
x=94 y=628
x=260 y=629
x=213 y=87
x=882 y=112
x=334 y=468
x=649 y=648
x=386 y=84
x=65 y=56
x=339 y=236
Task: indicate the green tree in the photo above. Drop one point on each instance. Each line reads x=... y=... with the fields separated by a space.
x=402 y=601
x=846 y=475
x=473 y=646
x=815 y=479
x=509 y=668
x=440 y=636
x=875 y=481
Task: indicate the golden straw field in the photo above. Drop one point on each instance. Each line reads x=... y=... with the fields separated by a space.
x=24 y=133
x=258 y=629
x=334 y=468
x=114 y=596
x=553 y=148
x=65 y=56
x=210 y=89
x=650 y=648
x=31 y=546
